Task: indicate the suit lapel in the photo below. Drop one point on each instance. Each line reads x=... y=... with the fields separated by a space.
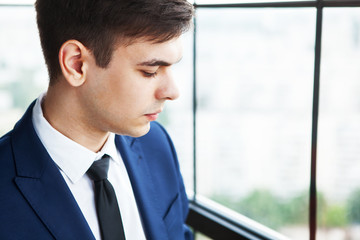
x=143 y=187
x=43 y=186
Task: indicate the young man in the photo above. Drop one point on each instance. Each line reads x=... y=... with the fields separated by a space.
x=85 y=161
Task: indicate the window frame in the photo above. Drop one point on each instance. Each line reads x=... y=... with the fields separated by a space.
x=220 y=222
x=217 y=220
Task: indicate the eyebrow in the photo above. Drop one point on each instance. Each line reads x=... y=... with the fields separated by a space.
x=157 y=62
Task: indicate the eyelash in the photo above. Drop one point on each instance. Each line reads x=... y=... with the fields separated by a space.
x=148 y=74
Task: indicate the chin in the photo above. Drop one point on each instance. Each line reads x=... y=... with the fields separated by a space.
x=138 y=131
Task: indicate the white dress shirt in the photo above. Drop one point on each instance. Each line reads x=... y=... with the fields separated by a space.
x=73 y=160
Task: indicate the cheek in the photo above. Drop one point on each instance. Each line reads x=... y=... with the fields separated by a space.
x=134 y=101
x=137 y=91
x=125 y=100
x=128 y=92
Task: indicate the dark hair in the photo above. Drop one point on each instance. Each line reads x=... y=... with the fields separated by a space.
x=101 y=24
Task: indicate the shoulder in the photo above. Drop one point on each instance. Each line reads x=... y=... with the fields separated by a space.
x=157 y=141
x=5 y=148
x=160 y=156
x=158 y=153
x=157 y=131
x=7 y=167
x=5 y=140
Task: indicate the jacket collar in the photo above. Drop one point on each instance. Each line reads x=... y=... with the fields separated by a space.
x=43 y=186
x=143 y=186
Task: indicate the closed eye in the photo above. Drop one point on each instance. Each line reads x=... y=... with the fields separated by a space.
x=149 y=74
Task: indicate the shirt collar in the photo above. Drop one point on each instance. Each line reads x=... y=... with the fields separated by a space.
x=110 y=149
x=72 y=158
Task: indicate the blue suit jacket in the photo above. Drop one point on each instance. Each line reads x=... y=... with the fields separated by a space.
x=35 y=202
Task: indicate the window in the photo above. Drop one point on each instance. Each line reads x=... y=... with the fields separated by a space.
x=339 y=126
x=22 y=69
x=255 y=85
x=260 y=69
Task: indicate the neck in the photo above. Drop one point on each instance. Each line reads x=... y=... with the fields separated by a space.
x=62 y=110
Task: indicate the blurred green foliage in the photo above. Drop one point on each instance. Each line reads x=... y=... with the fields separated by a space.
x=266 y=208
x=353 y=209
x=335 y=216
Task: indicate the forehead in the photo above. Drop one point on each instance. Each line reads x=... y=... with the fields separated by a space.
x=146 y=51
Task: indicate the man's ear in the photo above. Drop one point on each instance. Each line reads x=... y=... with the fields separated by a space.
x=72 y=59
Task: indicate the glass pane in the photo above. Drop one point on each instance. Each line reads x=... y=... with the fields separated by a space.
x=255 y=86
x=177 y=115
x=339 y=126
x=17 y=2
x=23 y=74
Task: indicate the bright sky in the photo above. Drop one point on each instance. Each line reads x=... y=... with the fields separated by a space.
x=17 y=2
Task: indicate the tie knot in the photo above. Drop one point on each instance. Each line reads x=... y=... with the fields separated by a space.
x=99 y=169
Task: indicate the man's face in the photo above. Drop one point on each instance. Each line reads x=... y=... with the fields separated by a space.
x=129 y=93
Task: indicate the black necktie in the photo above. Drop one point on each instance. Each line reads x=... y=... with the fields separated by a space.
x=107 y=208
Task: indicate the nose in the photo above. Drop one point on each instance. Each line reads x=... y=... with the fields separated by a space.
x=167 y=89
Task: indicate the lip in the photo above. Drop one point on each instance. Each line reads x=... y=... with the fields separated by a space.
x=153 y=116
